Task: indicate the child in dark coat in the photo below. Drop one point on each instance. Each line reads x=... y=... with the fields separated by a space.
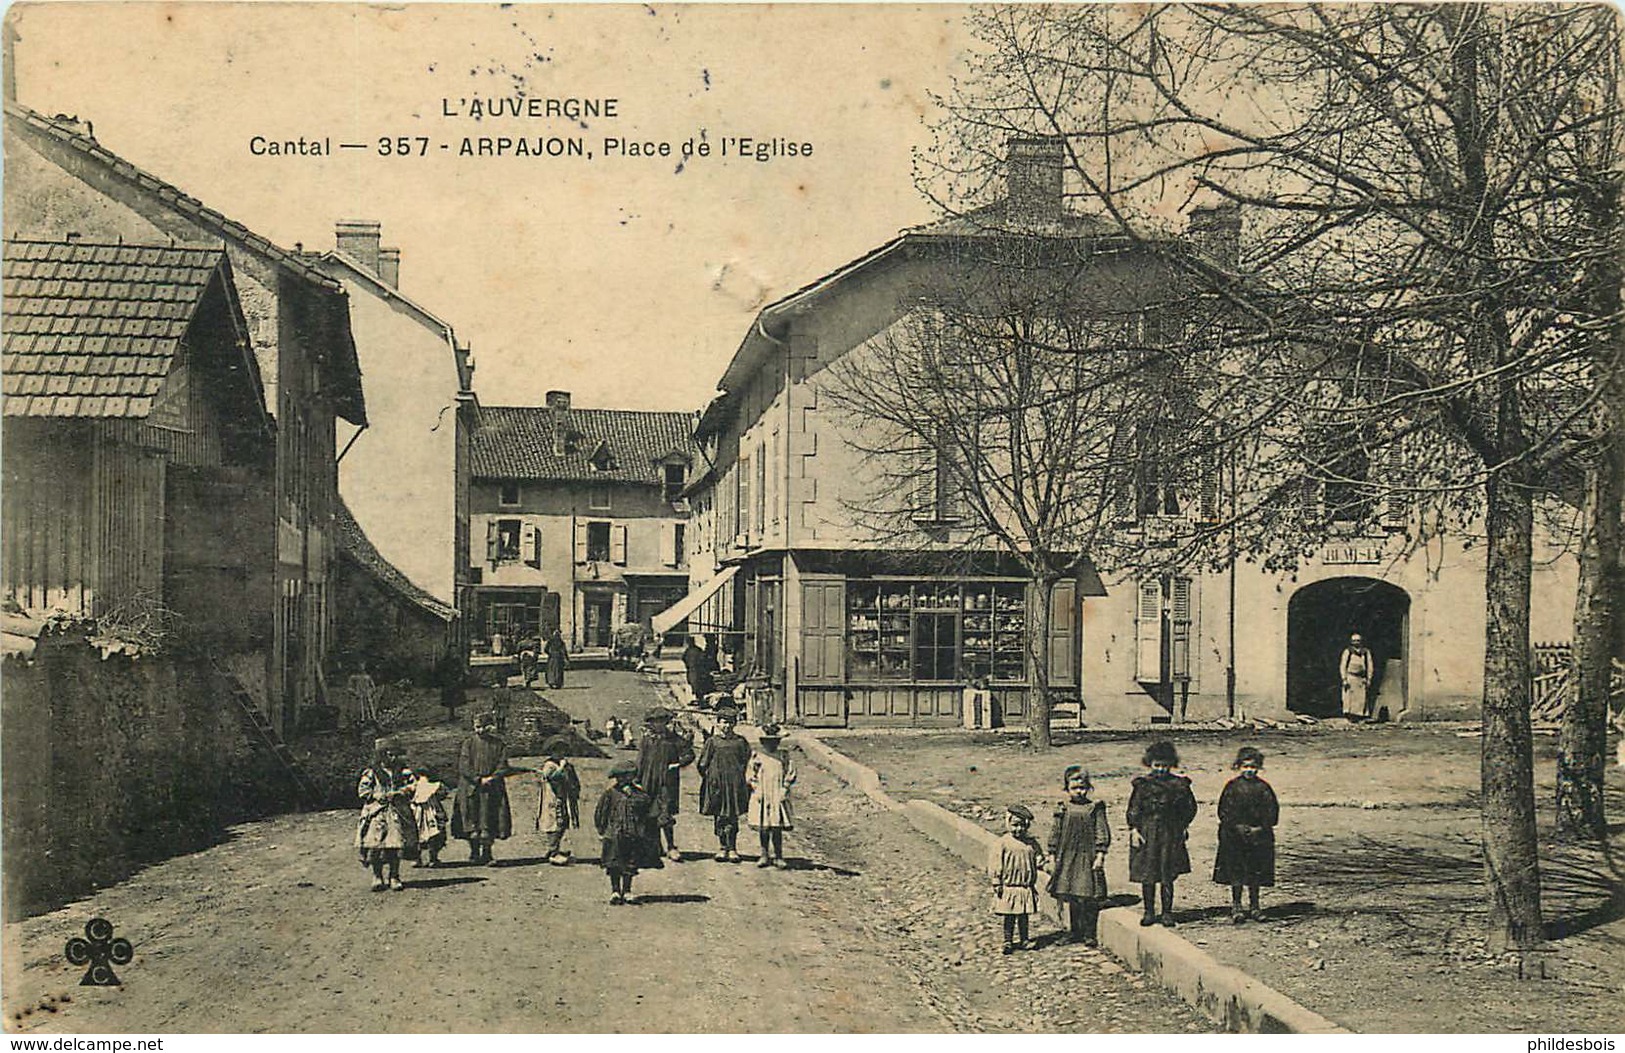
x=1078 y=840
x=626 y=819
x=663 y=753
x=1248 y=813
x=724 y=793
x=1160 y=809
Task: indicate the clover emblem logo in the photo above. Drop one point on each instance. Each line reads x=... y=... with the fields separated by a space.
x=98 y=949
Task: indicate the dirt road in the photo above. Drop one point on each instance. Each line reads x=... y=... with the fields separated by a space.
x=275 y=930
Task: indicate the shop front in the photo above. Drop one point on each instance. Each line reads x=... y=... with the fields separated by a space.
x=843 y=639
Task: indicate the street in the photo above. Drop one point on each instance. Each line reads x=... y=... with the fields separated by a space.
x=274 y=930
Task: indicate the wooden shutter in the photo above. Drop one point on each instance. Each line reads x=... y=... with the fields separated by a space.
x=1122 y=473
x=1396 y=502
x=742 y=513
x=1148 y=632
x=1180 y=613
x=491 y=542
x=530 y=544
x=668 y=544
x=761 y=491
x=1207 y=481
x=617 y=543
x=823 y=631
x=581 y=541
x=1063 y=624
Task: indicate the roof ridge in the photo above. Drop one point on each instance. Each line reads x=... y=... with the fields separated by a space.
x=169 y=193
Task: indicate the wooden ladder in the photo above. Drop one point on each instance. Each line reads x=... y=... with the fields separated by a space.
x=307 y=796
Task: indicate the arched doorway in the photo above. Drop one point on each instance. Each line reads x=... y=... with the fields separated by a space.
x=1320 y=618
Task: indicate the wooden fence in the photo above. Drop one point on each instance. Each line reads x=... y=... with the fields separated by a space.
x=1552 y=675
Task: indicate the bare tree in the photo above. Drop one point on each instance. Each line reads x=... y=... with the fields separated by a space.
x=1413 y=269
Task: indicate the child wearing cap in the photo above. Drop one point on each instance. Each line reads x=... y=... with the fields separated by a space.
x=770 y=776
x=663 y=753
x=1078 y=839
x=386 y=828
x=1160 y=809
x=1248 y=813
x=558 y=805
x=625 y=820
x=724 y=793
x=1013 y=865
x=429 y=813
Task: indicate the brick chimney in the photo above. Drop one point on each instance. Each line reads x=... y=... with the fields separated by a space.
x=558 y=406
x=1032 y=177
x=389 y=267
x=358 y=239
x=1216 y=231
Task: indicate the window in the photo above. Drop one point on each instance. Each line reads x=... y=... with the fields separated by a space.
x=936 y=631
x=598 y=498
x=602 y=460
x=941 y=491
x=508 y=495
x=1164 y=623
x=507 y=540
x=598 y=542
x=676 y=476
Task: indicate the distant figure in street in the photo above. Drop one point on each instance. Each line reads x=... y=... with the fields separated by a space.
x=625 y=820
x=363 y=695
x=527 y=661
x=448 y=675
x=559 y=805
x=770 y=776
x=429 y=814
x=662 y=755
x=701 y=667
x=724 y=793
x=1248 y=813
x=1160 y=809
x=1013 y=864
x=1078 y=840
x=1354 y=668
x=615 y=731
x=558 y=656
x=481 y=815
x=386 y=828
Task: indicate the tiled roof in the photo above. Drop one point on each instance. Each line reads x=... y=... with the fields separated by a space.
x=994 y=220
x=516 y=442
x=92 y=330
x=353 y=542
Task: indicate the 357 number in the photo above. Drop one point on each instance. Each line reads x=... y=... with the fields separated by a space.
x=403 y=146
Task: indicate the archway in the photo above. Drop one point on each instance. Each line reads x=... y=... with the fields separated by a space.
x=1320 y=617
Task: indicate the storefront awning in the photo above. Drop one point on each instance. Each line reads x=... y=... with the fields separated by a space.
x=663 y=622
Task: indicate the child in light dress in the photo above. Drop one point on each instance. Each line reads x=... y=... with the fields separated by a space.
x=1013 y=864
x=429 y=814
x=559 y=806
x=386 y=828
x=770 y=776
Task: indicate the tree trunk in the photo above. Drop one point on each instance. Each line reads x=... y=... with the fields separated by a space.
x=1507 y=801
x=1039 y=703
x=1583 y=745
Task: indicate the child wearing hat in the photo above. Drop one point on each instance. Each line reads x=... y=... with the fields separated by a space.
x=1160 y=809
x=1078 y=839
x=770 y=776
x=1013 y=865
x=386 y=828
x=724 y=793
x=1248 y=813
x=625 y=821
x=663 y=753
x=429 y=814
x=558 y=805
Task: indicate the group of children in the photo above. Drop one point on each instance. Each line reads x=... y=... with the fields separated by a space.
x=403 y=813
x=1161 y=807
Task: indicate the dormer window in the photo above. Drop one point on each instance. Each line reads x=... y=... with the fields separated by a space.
x=602 y=460
x=676 y=476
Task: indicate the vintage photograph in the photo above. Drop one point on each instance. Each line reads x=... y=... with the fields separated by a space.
x=731 y=519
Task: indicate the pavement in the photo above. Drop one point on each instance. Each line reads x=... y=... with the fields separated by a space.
x=275 y=930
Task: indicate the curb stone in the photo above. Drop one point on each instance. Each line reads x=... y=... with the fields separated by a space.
x=1225 y=993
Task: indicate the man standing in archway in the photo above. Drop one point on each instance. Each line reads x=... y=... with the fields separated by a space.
x=1355 y=670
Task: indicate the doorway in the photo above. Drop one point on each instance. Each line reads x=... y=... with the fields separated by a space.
x=1320 y=617
x=596 y=612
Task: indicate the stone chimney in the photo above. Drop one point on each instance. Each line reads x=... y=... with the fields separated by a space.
x=558 y=407
x=1216 y=231
x=1032 y=177
x=358 y=239
x=389 y=267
